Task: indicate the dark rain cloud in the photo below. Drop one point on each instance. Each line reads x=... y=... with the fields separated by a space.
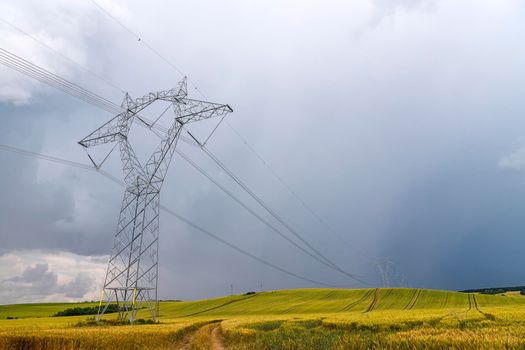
x=398 y=134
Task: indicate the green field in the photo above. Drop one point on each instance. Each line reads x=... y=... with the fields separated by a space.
x=295 y=319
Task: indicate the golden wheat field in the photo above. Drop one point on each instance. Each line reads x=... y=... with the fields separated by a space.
x=288 y=319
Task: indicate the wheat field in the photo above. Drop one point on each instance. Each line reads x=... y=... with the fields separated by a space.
x=287 y=319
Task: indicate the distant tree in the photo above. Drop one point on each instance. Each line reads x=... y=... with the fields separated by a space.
x=89 y=310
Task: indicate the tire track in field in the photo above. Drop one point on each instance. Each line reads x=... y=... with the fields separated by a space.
x=416 y=298
x=388 y=292
x=220 y=306
x=469 y=303
x=385 y=296
x=329 y=294
x=358 y=301
x=472 y=303
x=487 y=315
x=476 y=304
x=374 y=302
x=306 y=302
x=410 y=300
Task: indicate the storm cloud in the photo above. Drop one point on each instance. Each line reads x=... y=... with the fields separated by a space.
x=400 y=123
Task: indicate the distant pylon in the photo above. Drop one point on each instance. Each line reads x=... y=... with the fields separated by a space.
x=386 y=270
x=132 y=273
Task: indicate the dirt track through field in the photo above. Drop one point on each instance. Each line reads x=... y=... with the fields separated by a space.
x=469 y=302
x=476 y=304
x=486 y=314
x=374 y=302
x=357 y=302
x=221 y=306
x=186 y=342
x=446 y=300
x=304 y=303
x=216 y=339
x=413 y=299
x=206 y=337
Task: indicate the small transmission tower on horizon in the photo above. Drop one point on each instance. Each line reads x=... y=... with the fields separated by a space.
x=132 y=273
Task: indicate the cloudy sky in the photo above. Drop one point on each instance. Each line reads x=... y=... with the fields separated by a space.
x=399 y=122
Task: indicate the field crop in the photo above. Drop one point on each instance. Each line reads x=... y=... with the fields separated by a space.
x=289 y=319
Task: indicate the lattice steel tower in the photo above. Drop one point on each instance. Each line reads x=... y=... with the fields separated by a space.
x=132 y=274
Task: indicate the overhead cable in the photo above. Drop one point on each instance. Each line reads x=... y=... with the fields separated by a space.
x=303 y=203
x=274 y=173
x=247 y=208
x=12 y=60
x=32 y=37
x=164 y=208
x=141 y=40
x=276 y=216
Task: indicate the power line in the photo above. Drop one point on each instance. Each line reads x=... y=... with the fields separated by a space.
x=34 y=71
x=286 y=185
x=138 y=37
x=277 y=217
x=247 y=208
x=15 y=62
x=107 y=13
x=45 y=157
x=141 y=40
x=108 y=82
x=41 y=74
x=98 y=101
x=320 y=259
x=164 y=208
x=265 y=206
x=303 y=203
x=169 y=63
x=196 y=227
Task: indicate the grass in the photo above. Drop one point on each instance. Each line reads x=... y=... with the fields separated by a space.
x=38 y=310
x=292 y=319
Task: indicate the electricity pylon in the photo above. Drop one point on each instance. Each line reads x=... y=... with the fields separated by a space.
x=386 y=269
x=132 y=273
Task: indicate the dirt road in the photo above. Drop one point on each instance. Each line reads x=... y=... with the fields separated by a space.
x=205 y=338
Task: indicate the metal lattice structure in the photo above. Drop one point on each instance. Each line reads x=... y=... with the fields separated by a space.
x=132 y=273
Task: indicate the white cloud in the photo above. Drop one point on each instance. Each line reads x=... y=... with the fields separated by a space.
x=64 y=26
x=389 y=7
x=514 y=161
x=32 y=275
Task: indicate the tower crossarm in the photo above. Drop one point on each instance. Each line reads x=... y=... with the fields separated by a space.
x=116 y=130
x=111 y=131
x=186 y=112
x=196 y=110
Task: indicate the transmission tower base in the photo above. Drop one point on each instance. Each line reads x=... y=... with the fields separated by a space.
x=129 y=301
